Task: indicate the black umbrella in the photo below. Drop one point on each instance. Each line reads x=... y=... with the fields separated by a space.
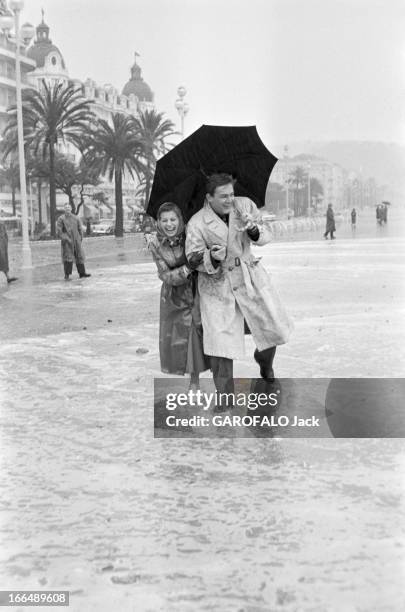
x=181 y=174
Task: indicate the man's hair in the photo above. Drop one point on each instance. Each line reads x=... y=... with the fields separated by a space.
x=218 y=180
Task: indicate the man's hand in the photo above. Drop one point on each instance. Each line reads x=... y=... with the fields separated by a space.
x=247 y=222
x=218 y=252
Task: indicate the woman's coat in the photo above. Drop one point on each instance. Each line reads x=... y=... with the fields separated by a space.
x=330 y=221
x=70 y=232
x=240 y=288
x=178 y=306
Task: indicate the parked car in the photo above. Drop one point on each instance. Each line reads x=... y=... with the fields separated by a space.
x=104 y=228
x=129 y=226
x=268 y=217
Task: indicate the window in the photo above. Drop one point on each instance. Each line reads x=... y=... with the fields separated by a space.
x=53 y=60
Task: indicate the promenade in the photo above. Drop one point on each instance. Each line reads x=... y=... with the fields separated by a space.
x=92 y=503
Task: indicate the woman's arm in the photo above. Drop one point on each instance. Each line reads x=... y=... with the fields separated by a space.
x=171 y=276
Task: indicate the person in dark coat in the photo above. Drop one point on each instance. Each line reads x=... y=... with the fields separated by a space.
x=353 y=215
x=330 y=223
x=70 y=232
x=180 y=335
x=4 y=253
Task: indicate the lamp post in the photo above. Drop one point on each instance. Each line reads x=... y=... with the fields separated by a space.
x=287 y=191
x=309 y=189
x=7 y=20
x=182 y=107
x=31 y=208
x=287 y=182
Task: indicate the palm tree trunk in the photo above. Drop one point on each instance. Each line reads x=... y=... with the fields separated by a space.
x=13 y=201
x=39 y=187
x=119 y=230
x=52 y=189
x=147 y=184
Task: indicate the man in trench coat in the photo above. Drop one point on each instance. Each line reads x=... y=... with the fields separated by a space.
x=70 y=232
x=4 y=253
x=330 y=223
x=234 y=287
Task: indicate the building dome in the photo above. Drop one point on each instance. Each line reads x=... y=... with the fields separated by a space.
x=43 y=47
x=137 y=86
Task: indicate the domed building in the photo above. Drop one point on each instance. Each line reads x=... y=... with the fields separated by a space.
x=139 y=88
x=49 y=60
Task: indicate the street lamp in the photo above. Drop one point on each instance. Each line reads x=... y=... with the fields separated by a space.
x=7 y=20
x=309 y=189
x=182 y=107
x=287 y=191
x=287 y=182
x=31 y=207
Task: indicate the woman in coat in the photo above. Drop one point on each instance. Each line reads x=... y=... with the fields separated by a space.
x=330 y=223
x=70 y=232
x=180 y=335
x=4 y=253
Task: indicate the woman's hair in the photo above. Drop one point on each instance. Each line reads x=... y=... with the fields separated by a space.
x=169 y=207
x=218 y=180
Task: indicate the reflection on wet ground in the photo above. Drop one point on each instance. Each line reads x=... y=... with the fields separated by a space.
x=90 y=502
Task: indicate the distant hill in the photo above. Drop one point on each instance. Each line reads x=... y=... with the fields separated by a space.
x=383 y=161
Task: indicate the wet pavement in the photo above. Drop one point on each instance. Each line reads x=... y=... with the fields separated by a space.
x=92 y=503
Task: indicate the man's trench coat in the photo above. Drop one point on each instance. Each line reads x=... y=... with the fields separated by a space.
x=70 y=232
x=240 y=288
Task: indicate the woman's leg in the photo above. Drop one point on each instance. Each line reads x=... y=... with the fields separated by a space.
x=194 y=381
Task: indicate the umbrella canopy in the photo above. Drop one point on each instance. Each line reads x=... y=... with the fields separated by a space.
x=181 y=174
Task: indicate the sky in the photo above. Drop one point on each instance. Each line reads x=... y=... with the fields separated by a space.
x=300 y=70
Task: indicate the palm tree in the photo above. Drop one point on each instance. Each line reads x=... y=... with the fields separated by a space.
x=152 y=130
x=113 y=150
x=298 y=178
x=54 y=114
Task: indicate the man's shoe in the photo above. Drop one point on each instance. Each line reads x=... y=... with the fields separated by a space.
x=11 y=279
x=67 y=277
x=266 y=371
x=85 y=275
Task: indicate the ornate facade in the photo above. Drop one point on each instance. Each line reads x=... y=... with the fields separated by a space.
x=8 y=96
x=45 y=62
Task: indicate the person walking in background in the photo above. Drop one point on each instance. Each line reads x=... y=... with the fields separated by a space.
x=330 y=223
x=384 y=212
x=4 y=253
x=180 y=333
x=379 y=213
x=353 y=215
x=70 y=232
